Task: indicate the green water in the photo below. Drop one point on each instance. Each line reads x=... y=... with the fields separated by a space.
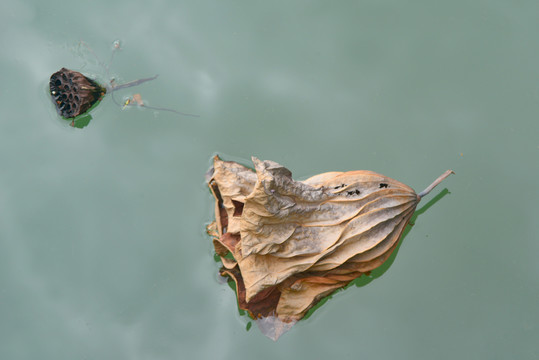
x=103 y=253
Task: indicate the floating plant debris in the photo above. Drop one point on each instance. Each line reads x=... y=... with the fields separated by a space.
x=74 y=94
x=287 y=244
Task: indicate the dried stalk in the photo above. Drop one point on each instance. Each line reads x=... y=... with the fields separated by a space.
x=435 y=183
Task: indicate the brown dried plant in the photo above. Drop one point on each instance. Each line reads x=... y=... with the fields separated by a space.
x=287 y=244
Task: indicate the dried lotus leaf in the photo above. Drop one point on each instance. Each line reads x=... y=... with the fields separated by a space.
x=301 y=240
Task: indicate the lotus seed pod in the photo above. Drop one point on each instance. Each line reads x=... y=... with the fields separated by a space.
x=73 y=93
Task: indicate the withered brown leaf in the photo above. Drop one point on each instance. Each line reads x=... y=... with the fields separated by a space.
x=294 y=242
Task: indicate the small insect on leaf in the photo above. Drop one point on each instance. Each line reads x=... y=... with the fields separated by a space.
x=287 y=244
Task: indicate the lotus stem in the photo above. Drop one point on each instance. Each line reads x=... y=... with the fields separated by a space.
x=132 y=83
x=435 y=183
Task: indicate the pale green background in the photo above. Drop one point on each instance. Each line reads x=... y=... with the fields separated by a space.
x=103 y=253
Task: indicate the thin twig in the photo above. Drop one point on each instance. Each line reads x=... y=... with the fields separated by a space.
x=110 y=61
x=111 y=88
x=131 y=83
x=101 y=63
x=436 y=182
x=171 y=110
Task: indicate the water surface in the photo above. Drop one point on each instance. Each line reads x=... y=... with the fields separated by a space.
x=103 y=253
